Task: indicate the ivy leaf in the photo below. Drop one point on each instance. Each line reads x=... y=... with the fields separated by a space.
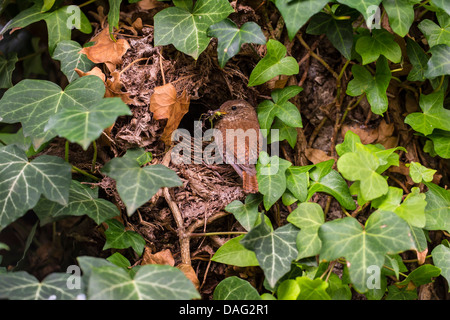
x=48 y=4
x=411 y=210
x=339 y=32
x=441 y=259
x=57 y=27
x=308 y=217
x=418 y=59
x=273 y=64
x=113 y=14
x=361 y=166
x=275 y=250
x=271 y=177
x=362 y=6
x=434 y=115
x=285 y=132
x=312 y=289
x=23 y=286
x=151 y=282
x=401 y=15
x=380 y=43
x=137 y=185
x=68 y=52
x=384 y=232
x=26 y=17
x=421 y=275
x=297 y=13
x=186 y=30
x=436 y=34
x=374 y=86
x=85 y=123
x=349 y=143
x=333 y=184
x=441 y=142
x=443 y=4
x=280 y=108
x=437 y=210
x=119 y=238
x=247 y=213
x=439 y=63
x=297 y=181
x=32 y=102
x=230 y=38
x=395 y=293
x=7 y=67
x=22 y=182
x=234 y=288
x=83 y=200
x=234 y=253
x=420 y=173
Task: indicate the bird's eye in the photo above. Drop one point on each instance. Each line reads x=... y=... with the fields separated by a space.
x=233 y=108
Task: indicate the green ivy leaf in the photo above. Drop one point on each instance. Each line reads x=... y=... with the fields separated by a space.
x=436 y=34
x=33 y=102
x=114 y=14
x=418 y=59
x=83 y=200
x=26 y=17
x=333 y=184
x=349 y=143
x=273 y=64
x=361 y=166
x=401 y=15
x=288 y=290
x=68 y=52
x=339 y=32
x=297 y=181
x=443 y=4
x=439 y=63
x=234 y=253
x=23 y=286
x=281 y=108
x=85 y=123
x=374 y=86
x=421 y=275
x=441 y=259
x=247 y=213
x=420 y=173
x=312 y=289
x=186 y=29
x=285 y=132
x=265 y=242
x=22 y=182
x=151 y=282
x=271 y=177
x=48 y=4
x=137 y=185
x=297 y=13
x=234 y=288
x=7 y=67
x=395 y=293
x=434 y=115
x=308 y=217
x=384 y=232
x=119 y=238
x=231 y=38
x=362 y=6
x=380 y=43
x=441 y=142
x=437 y=210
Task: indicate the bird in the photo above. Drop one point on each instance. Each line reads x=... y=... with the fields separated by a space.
x=241 y=148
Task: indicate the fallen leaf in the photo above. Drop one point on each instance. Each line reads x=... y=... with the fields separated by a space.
x=162 y=257
x=164 y=104
x=316 y=155
x=190 y=274
x=106 y=50
x=421 y=256
x=95 y=71
x=385 y=135
x=367 y=135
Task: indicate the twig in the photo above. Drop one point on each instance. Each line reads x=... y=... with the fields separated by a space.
x=94 y=157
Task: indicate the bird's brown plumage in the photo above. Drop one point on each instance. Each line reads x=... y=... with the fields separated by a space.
x=235 y=115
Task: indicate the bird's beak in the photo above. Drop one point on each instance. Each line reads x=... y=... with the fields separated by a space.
x=216 y=113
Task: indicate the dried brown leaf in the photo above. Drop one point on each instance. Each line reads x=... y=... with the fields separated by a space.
x=165 y=104
x=149 y=4
x=316 y=155
x=162 y=257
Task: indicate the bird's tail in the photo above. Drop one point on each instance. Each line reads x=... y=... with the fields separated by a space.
x=250 y=184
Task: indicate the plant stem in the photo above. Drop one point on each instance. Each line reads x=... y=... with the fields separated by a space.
x=85 y=173
x=351 y=107
x=86 y=3
x=218 y=233
x=440 y=84
x=66 y=151
x=94 y=158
